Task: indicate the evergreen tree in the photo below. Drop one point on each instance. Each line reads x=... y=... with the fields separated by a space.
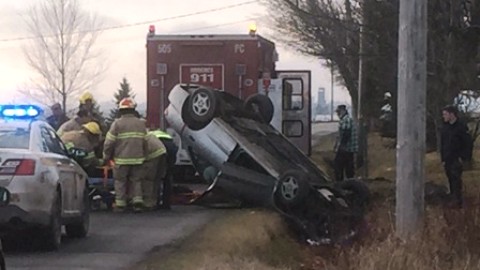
x=123 y=92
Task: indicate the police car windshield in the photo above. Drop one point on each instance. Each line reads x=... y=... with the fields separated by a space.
x=17 y=138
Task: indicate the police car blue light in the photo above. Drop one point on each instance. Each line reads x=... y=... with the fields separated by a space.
x=19 y=111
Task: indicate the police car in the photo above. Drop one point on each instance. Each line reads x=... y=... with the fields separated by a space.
x=48 y=189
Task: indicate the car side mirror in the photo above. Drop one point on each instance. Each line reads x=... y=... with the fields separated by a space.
x=4 y=196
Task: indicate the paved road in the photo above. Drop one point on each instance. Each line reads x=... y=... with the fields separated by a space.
x=119 y=241
x=116 y=241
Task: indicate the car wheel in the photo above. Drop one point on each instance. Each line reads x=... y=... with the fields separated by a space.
x=187 y=117
x=357 y=193
x=80 y=228
x=202 y=105
x=53 y=233
x=292 y=188
x=260 y=104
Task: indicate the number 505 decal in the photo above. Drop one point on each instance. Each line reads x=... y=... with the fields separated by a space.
x=164 y=48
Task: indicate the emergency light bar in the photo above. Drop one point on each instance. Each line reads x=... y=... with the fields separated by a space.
x=19 y=111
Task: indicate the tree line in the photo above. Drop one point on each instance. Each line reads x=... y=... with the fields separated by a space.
x=330 y=30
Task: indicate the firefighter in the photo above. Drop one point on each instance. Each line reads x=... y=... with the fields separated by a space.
x=75 y=123
x=155 y=168
x=125 y=145
x=86 y=139
x=87 y=103
x=166 y=190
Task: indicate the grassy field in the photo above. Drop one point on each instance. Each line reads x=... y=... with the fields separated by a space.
x=256 y=239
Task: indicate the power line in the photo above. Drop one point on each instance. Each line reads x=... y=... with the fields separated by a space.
x=128 y=39
x=146 y=22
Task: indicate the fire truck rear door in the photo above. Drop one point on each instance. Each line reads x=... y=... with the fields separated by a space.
x=296 y=108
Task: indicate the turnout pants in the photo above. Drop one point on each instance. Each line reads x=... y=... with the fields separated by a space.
x=128 y=176
x=154 y=173
x=454 y=170
x=344 y=165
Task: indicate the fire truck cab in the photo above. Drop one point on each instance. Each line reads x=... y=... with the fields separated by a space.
x=241 y=65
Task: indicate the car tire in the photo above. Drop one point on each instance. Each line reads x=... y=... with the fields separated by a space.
x=262 y=105
x=357 y=193
x=187 y=117
x=79 y=229
x=202 y=105
x=292 y=188
x=52 y=235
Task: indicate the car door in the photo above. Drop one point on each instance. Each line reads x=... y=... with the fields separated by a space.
x=79 y=176
x=65 y=168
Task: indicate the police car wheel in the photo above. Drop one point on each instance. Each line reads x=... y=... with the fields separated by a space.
x=202 y=105
x=79 y=229
x=52 y=235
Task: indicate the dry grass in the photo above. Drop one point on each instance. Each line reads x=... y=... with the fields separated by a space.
x=260 y=240
x=450 y=239
x=244 y=239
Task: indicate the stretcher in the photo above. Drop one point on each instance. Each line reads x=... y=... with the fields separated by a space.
x=101 y=188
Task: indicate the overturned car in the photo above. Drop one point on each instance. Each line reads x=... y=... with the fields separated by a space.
x=255 y=163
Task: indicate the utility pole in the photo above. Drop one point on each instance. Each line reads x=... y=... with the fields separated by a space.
x=332 y=86
x=412 y=83
x=362 y=125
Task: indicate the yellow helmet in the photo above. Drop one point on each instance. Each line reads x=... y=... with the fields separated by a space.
x=93 y=128
x=127 y=103
x=86 y=96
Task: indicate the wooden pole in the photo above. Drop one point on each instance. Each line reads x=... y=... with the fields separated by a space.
x=362 y=124
x=332 y=105
x=412 y=83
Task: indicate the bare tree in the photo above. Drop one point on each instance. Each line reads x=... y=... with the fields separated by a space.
x=61 y=52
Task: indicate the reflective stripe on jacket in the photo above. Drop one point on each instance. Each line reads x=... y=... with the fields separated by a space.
x=155 y=147
x=125 y=141
x=161 y=134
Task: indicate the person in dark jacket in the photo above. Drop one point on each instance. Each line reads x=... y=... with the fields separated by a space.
x=58 y=116
x=455 y=141
x=346 y=145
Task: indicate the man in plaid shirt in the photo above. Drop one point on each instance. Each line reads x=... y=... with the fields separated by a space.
x=346 y=145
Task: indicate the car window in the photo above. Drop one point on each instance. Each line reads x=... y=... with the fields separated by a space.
x=292 y=94
x=51 y=143
x=15 y=138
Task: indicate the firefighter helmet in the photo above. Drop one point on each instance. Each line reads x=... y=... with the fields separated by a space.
x=85 y=96
x=127 y=103
x=93 y=128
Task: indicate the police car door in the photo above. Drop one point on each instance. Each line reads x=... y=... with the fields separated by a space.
x=65 y=169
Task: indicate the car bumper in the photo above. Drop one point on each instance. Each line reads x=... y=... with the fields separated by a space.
x=13 y=217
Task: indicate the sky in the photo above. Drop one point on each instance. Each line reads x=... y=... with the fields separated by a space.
x=123 y=49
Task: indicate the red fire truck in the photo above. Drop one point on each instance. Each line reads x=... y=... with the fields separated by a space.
x=242 y=65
